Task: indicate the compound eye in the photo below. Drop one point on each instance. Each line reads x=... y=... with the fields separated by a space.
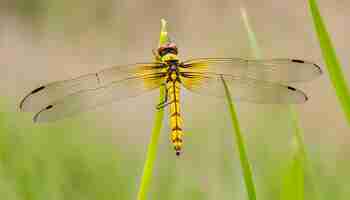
x=164 y=51
x=161 y=52
x=173 y=51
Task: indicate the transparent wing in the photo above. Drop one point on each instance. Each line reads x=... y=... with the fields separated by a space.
x=44 y=95
x=92 y=89
x=242 y=89
x=274 y=70
x=91 y=98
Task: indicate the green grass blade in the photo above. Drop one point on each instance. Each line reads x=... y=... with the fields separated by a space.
x=295 y=176
x=163 y=38
x=293 y=179
x=151 y=152
x=153 y=145
x=334 y=69
x=251 y=35
x=247 y=172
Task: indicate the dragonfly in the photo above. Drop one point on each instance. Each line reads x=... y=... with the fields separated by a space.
x=256 y=81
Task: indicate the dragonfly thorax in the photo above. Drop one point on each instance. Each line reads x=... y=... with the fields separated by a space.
x=169 y=47
x=172 y=67
x=173 y=70
x=173 y=76
x=172 y=64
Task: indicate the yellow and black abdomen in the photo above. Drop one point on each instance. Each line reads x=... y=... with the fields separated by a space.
x=175 y=117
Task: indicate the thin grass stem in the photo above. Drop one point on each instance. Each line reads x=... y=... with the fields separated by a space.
x=246 y=169
x=153 y=144
x=295 y=177
x=329 y=55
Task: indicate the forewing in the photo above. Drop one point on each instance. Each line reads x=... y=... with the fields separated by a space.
x=124 y=81
x=45 y=95
x=273 y=70
x=242 y=89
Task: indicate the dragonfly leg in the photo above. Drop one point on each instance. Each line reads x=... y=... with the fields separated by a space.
x=165 y=103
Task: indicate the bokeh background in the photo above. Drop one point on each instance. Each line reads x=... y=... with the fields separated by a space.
x=100 y=154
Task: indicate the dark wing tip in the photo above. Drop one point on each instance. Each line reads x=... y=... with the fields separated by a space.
x=35 y=118
x=37 y=89
x=291 y=88
x=299 y=91
x=298 y=61
x=21 y=103
x=32 y=92
x=302 y=61
x=48 y=107
x=319 y=68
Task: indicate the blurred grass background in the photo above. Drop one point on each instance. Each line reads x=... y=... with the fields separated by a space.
x=100 y=154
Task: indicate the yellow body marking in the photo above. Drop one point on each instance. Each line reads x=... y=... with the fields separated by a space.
x=175 y=117
x=173 y=87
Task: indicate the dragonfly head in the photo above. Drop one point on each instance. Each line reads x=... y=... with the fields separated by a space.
x=168 y=52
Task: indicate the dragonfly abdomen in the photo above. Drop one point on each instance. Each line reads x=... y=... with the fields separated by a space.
x=175 y=117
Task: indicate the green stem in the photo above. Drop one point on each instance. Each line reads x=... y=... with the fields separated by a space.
x=295 y=189
x=251 y=35
x=152 y=151
x=247 y=173
x=153 y=144
x=334 y=69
